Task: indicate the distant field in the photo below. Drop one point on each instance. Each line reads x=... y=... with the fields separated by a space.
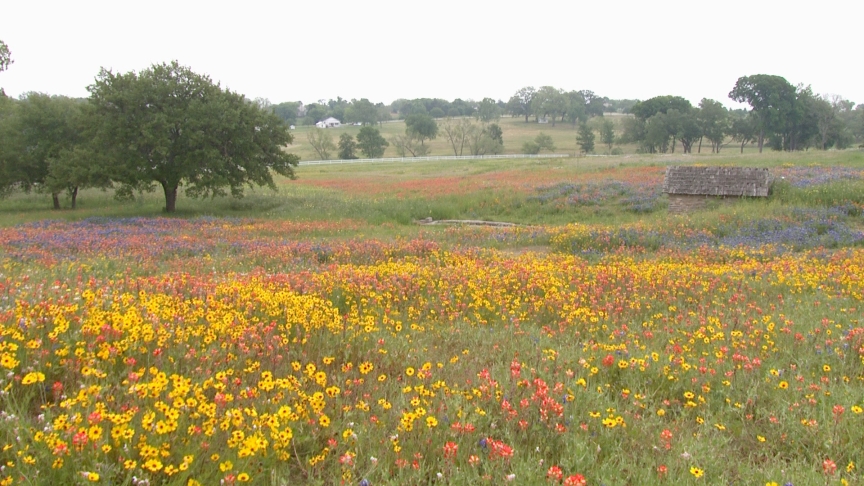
x=516 y=132
x=516 y=190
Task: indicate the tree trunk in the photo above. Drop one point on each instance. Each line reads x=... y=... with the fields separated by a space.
x=742 y=145
x=170 y=197
x=761 y=138
x=74 y=195
x=55 y=197
x=526 y=117
x=699 y=150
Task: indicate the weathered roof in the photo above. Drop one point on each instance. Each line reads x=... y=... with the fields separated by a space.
x=717 y=181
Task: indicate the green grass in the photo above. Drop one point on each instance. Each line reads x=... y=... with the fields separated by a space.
x=399 y=193
x=515 y=133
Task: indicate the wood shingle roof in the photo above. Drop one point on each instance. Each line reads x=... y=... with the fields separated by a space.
x=717 y=181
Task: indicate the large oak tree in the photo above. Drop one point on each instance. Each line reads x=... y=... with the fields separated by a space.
x=169 y=126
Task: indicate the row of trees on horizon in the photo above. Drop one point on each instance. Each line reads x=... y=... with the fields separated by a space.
x=782 y=116
x=547 y=103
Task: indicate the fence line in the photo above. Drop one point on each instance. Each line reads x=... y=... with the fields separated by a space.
x=434 y=157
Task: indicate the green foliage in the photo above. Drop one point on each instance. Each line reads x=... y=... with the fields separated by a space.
x=322 y=141
x=409 y=146
x=287 y=111
x=549 y=102
x=607 y=133
x=371 y=143
x=713 y=119
x=778 y=106
x=744 y=129
x=168 y=125
x=659 y=104
x=594 y=105
x=495 y=133
x=362 y=111
x=457 y=133
x=585 y=138
x=685 y=127
x=315 y=112
x=576 y=109
x=5 y=56
x=420 y=126
x=520 y=103
x=347 y=146
x=488 y=111
x=45 y=139
x=530 y=148
x=9 y=153
x=544 y=142
x=480 y=140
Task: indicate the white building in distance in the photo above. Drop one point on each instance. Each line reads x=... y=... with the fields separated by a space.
x=329 y=123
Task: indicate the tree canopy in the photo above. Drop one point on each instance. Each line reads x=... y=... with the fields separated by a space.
x=421 y=127
x=585 y=138
x=47 y=147
x=5 y=56
x=347 y=146
x=168 y=125
x=659 y=104
x=371 y=143
x=771 y=98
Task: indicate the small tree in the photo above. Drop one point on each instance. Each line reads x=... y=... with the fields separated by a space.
x=481 y=142
x=585 y=138
x=607 y=133
x=530 y=147
x=544 y=141
x=488 y=111
x=407 y=145
x=421 y=127
x=520 y=103
x=457 y=132
x=371 y=143
x=713 y=119
x=347 y=146
x=322 y=142
x=496 y=133
x=745 y=129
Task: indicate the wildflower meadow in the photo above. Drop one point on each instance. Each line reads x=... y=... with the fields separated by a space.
x=725 y=347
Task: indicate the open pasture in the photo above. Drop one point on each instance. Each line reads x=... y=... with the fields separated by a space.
x=315 y=336
x=515 y=132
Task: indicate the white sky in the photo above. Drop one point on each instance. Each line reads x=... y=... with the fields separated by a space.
x=383 y=50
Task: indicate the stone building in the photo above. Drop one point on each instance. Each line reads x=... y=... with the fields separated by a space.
x=689 y=188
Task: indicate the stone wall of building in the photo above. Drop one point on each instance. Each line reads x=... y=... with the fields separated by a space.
x=686 y=203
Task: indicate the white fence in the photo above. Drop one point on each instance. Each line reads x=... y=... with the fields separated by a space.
x=435 y=157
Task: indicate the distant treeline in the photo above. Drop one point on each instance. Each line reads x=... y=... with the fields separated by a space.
x=566 y=105
x=783 y=116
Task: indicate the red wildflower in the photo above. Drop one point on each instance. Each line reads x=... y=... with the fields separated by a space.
x=575 y=480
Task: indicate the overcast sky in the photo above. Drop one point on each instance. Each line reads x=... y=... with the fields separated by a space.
x=384 y=50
